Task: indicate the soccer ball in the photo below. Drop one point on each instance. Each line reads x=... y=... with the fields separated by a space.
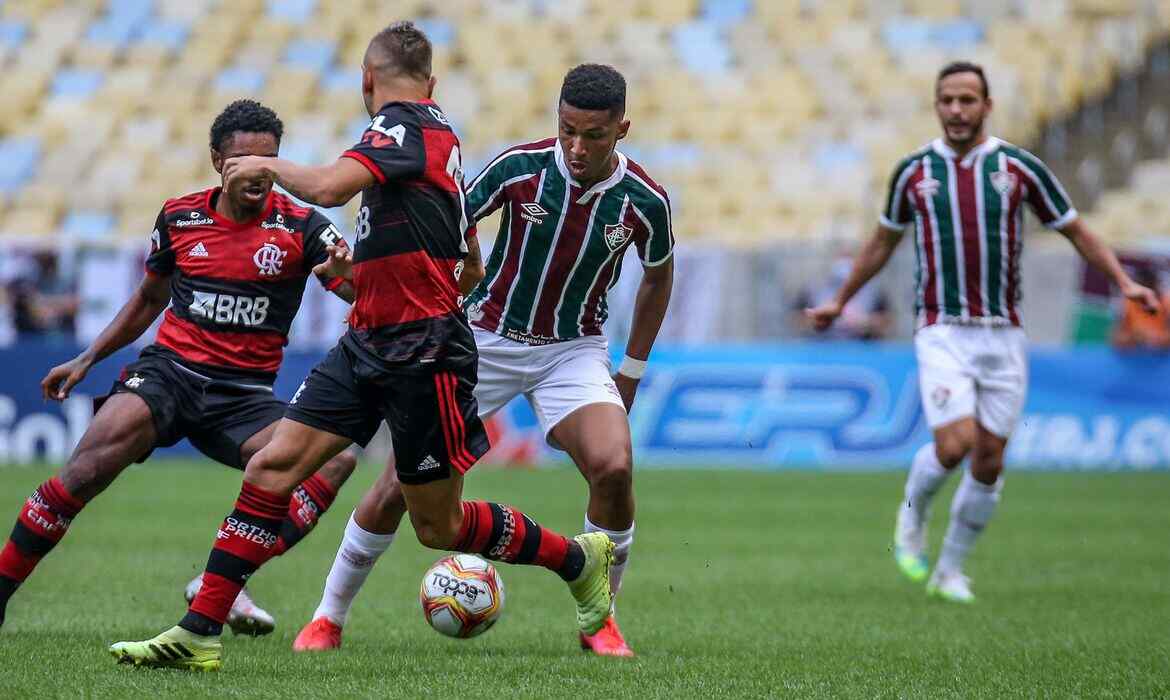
x=462 y=596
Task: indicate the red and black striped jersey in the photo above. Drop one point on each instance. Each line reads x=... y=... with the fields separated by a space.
x=412 y=232
x=236 y=286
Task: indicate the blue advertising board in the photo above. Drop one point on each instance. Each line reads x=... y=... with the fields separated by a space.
x=822 y=406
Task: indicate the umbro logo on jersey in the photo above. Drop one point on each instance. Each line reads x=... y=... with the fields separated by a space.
x=927 y=187
x=531 y=211
x=428 y=464
x=199 y=251
x=1004 y=182
x=617 y=234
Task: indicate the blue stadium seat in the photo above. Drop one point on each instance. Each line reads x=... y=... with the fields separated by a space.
x=311 y=54
x=905 y=35
x=726 y=12
x=18 y=160
x=13 y=34
x=168 y=34
x=88 y=224
x=340 y=79
x=700 y=48
x=440 y=31
x=240 y=80
x=77 y=84
x=292 y=11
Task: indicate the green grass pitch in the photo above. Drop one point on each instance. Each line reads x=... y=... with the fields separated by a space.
x=740 y=585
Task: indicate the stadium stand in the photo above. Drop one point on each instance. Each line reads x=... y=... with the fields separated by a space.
x=765 y=119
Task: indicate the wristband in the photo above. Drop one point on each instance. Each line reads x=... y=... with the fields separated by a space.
x=634 y=369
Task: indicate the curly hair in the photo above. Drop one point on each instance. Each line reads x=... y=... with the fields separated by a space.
x=594 y=86
x=248 y=116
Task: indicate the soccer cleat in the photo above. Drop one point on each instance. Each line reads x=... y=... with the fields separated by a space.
x=591 y=588
x=245 y=617
x=608 y=641
x=175 y=648
x=952 y=586
x=909 y=545
x=321 y=634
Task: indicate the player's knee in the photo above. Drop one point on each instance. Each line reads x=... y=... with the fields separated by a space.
x=952 y=448
x=613 y=472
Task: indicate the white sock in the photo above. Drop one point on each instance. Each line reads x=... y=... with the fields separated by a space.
x=355 y=559
x=971 y=510
x=927 y=475
x=622 y=540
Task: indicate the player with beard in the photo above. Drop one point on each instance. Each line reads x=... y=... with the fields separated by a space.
x=573 y=205
x=409 y=358
x=966 y=193
x=231 y=262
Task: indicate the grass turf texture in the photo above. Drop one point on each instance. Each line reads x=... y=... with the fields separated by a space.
x=741 y=584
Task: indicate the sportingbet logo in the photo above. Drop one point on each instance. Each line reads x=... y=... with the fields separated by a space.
x=230 y=309
x=196 y=219
x=247 y=531
x=455 y=587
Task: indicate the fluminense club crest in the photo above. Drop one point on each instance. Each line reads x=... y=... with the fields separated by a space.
x=1004 y=182
x=617 y=234
x=268 y=259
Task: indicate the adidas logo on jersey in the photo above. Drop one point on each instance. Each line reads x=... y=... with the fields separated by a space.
x=428 y=464
x=199 y=251
x=531 y=211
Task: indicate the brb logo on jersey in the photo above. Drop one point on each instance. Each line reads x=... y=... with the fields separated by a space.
x=230 y=309
x=268 y=259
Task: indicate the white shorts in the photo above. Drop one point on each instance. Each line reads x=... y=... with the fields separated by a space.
x=978 y=371
x=556 y=379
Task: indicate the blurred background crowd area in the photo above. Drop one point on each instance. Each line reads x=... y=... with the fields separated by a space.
x=773 y=124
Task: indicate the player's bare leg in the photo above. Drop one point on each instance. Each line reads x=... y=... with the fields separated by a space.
x=931 y=467
x=597 y=437
x=310 y=501
x=971 y=510
x=121 y=432
x=248 y=538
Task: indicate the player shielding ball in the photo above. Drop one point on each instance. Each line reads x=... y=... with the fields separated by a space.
x=231 y=262
x=409 y=358
x=573 y=205
x=966 y=193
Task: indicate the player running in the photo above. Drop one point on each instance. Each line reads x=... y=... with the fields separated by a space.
x=409 y=358
x=573 y=205
x=232 y=263
x=966 y=193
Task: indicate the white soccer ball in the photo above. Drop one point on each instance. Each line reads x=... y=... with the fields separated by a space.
x=462 y=596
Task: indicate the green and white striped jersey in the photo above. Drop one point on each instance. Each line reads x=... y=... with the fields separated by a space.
x=968 y=217
x=560 y=246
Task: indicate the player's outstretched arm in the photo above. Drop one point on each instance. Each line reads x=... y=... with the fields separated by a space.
x=473 y=270
x=649 y=311
x=324 y=185
x=870 y=260
x=1100 y=256
x=144 y=306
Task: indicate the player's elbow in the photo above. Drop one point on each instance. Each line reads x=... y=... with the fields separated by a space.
x=330 y=195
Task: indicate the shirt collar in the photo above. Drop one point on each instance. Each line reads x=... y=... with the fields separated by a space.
x=940 y=147
x=618 y=174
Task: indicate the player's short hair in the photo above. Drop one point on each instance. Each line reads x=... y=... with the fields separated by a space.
x=402 y=48
x=595 y=86
x=963 y=67
x=245 y=115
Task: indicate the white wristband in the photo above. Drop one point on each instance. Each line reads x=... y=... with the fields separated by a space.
x=634 y=369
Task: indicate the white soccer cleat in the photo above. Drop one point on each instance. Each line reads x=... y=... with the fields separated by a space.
x=245 y=616
x=950 y=585
x=910 y=544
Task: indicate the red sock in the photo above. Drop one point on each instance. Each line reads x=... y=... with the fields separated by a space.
x=42 y=522
x=502 y=533
x=246 y=539
x=310 y=500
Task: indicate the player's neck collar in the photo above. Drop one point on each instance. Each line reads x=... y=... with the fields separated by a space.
x=614 y=178
x=940 y=147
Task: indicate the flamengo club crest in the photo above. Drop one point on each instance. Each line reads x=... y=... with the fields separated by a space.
x=1004 y=182
x=268 y=259
x=617 y=234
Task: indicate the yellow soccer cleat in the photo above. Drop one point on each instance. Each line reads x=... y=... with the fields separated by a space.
x=175 y=648
x=591 y=588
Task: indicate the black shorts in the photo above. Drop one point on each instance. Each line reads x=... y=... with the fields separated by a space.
x=430 y=409
x=217 y=415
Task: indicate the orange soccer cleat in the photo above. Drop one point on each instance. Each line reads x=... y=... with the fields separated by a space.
x=608 y=641
x=321 y=634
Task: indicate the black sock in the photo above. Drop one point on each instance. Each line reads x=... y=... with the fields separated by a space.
x=8 y=586
x=574 y=562
x=200 y=624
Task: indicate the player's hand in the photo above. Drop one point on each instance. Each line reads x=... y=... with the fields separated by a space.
x=248 y=169
x=1143 y=295
x=627 y=389
x=339 y=264
x=823 y=316
x=61 y=379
